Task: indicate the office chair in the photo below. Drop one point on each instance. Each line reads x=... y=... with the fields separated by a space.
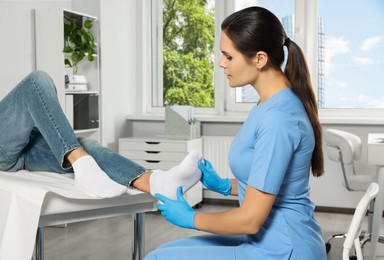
x=353 y=235
x=345 y=148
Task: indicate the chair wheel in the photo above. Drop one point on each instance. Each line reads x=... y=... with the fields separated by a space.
x=353 y=257
x=327 y=247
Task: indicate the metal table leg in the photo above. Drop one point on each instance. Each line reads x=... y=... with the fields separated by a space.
x=38 y=253
x=138 y=236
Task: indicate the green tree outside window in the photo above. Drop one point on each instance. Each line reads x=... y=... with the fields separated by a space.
x=188 y=53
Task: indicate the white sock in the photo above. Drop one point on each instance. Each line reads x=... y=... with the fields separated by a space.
x=90 y=177
x=186 y=175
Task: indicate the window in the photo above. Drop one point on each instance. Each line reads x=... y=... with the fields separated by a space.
x=342 y=49
x=187 y=41
x=352 y=60
x=186 y=70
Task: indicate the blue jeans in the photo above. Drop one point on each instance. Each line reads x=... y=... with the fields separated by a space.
x=35 y=134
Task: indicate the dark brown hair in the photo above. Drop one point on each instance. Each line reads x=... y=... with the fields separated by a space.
x=256 y=29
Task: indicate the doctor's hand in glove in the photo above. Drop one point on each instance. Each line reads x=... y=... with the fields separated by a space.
x=178 y=212
x=212 y=180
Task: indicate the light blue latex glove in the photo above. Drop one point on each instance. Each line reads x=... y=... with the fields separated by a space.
x=178 y=212
x=212 y=180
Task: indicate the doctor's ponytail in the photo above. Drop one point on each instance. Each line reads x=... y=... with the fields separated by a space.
x=296 y=70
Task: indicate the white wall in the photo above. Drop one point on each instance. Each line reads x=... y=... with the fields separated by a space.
x=17 y=39
x=121 y=55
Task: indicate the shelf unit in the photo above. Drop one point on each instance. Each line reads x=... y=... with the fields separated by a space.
x=82 y=108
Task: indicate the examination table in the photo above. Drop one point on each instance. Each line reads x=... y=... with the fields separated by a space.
x=32 y=200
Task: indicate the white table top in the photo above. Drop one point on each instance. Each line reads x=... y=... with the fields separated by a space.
x=26 y=197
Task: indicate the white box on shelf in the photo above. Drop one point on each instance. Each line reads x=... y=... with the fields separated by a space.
x=75 y=83
x=76 y=87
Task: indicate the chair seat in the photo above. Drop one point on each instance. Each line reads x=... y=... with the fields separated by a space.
x=360 y=182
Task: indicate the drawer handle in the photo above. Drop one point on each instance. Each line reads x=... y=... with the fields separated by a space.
x=152 y=161
x=152 y=142
x=155 y=152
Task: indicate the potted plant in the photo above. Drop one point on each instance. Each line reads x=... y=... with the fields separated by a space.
x=79 y=41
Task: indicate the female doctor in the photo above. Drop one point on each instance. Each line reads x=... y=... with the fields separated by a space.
x=271 y=156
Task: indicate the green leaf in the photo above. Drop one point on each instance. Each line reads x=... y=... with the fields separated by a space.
x=91 y=57
x=67 y=49
x=69 y=19
x=67 y=63
x=88 y=24
x=77 y=57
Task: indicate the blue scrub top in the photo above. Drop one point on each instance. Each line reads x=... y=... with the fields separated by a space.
x=272 y=153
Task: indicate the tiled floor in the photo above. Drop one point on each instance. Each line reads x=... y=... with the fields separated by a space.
x=109 y=239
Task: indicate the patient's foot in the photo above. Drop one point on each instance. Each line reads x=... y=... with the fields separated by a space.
x=186 y=175
x=90 y=177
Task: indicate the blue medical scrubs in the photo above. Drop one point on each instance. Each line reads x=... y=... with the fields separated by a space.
x=271 y=152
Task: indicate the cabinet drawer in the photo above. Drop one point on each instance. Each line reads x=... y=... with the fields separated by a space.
x=152 y=146
x=150 y=155
x=156 y=165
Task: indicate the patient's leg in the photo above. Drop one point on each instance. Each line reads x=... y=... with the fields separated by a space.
x=186 y=175
x=33 y=105
x=90 y=177
x=121 y=172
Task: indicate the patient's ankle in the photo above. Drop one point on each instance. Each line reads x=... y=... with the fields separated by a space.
x=142 y=183
x=73 y=155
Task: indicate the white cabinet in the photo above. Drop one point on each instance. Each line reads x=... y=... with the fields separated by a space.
x=81 y=107
x=162 y=154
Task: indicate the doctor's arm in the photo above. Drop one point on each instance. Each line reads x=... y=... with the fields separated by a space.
x=246 y=219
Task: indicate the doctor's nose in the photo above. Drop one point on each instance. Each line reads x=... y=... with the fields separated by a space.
x=222 y=63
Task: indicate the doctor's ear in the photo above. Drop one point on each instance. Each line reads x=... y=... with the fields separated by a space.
x=260 y=59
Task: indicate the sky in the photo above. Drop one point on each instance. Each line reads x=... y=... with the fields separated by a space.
x=354 y=49
x=354 y=53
